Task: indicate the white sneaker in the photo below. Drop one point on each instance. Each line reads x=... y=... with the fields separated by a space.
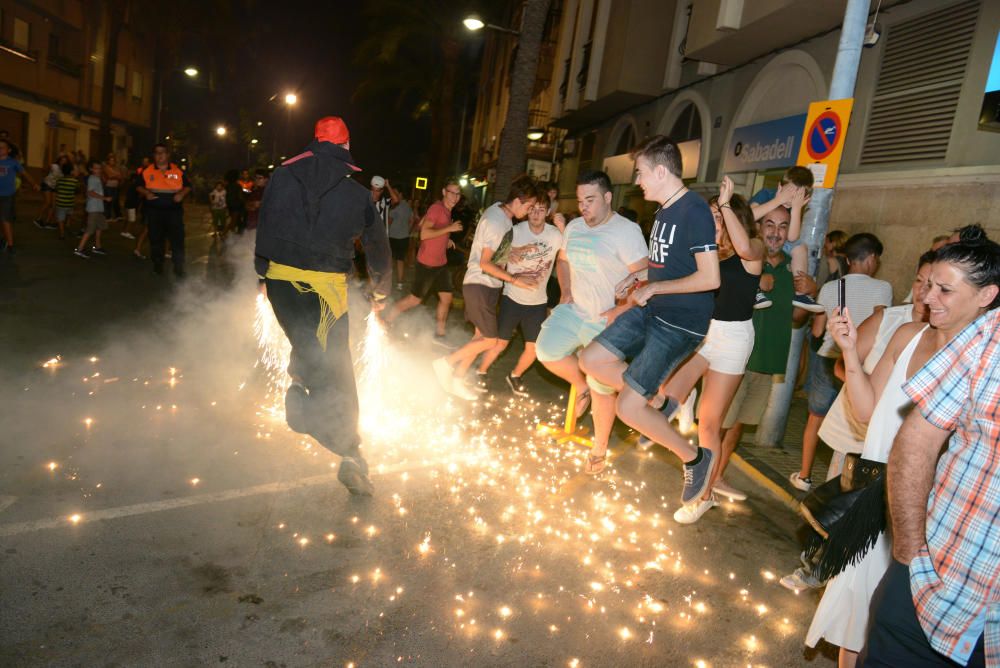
x=443 y=372
x=128 y=235
x=463 y=391
x=803 y=484
x=685 y=419
x=800 y=581
x=723 y=488
x=692 y=512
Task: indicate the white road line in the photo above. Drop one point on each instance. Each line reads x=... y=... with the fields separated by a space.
x=18 y=528
x=6 y=502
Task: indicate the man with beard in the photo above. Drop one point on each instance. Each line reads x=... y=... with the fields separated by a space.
x=311 y=215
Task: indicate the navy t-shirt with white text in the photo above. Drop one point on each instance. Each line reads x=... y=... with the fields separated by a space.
x=679 y=232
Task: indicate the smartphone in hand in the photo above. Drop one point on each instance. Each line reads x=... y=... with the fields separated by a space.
x=842 y=294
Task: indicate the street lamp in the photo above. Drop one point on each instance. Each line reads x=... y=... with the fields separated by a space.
x=474 y=23
x=535 y=134
x=221 y=130
x=291 y=99
x=253 y=141
x=191 y=71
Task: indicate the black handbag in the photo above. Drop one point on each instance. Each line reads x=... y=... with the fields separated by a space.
x=848 y=513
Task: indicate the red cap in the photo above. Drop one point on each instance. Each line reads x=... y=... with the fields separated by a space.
x=332 y=129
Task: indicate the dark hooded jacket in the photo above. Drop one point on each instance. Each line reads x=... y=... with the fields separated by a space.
x=312 y=214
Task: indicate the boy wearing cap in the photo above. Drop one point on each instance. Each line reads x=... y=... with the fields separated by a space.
x=384 y=196
x=311 y=215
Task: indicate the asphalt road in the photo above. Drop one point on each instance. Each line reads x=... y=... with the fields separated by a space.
x=155 y=511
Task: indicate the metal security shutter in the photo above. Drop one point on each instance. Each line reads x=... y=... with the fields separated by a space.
x=917 y=92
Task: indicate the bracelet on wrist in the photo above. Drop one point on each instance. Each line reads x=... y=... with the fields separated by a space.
x=725 y=206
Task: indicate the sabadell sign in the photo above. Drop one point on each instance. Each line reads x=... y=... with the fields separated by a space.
x=767 y=145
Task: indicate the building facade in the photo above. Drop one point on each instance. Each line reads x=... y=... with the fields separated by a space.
x=731 y=81
x=52 y=56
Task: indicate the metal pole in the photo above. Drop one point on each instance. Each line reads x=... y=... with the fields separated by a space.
x=771 y=430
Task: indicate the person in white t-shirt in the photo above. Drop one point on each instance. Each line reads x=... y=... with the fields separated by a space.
x=599 y=250
x=491 y=249
x=863 y=294
x=522 y=308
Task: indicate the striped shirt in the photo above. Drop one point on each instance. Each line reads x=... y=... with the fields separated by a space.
x=66 y=192
x=955 y=579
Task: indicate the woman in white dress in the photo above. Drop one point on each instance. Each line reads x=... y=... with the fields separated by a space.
x=958 y=293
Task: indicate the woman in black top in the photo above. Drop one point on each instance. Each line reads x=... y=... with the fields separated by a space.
x=722 y=357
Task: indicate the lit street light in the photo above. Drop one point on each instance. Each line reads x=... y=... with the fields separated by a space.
x=473 y=23
x=291 y=99
x=534 y=134
x=253 y=141
x=221 y=130
x=191 y=71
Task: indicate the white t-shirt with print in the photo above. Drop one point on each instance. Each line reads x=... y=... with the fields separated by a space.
x=538 y=262
x=490 y=230
x=863 y=294
x=598 y=260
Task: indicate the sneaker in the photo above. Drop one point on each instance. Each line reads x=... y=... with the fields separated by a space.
x=463 y=391
x=128 y=235
x=353 y=474
x=644 y=443
x=444 y=373
x=762 y=301
x=697 y=476
x=685 y=416
x=51 y=226
x=723 y=488
x=799 y=483
x=808 y=303
x=516 y=385
x=442 y=340
x=97 y=250
x=480 y=384
x=800 y=581
x=79 y=253
x=138 y=255
x=692 y=512
x=39 y=223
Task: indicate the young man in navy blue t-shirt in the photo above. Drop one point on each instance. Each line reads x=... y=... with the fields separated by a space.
x=671 y=312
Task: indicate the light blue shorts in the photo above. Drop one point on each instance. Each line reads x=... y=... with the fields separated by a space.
x=789 y=245
x=564 y=331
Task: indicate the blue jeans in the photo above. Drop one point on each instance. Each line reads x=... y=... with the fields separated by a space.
x=655 y=348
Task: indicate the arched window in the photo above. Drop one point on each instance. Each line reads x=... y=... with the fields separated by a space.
x=626 y=140
x=687 y=126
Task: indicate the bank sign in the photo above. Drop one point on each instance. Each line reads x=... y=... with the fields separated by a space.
x=767 y=145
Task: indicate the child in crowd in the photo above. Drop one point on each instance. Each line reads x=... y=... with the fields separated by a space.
x=793 y=193
x=65 y=196
x=217 y=203
x=97 y=222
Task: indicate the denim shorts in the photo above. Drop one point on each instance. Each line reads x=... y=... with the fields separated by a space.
x=654 y=348
x=564 y=331
x=822 y=385
x=789 y=245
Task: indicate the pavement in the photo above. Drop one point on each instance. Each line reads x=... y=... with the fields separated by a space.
x=155 y=510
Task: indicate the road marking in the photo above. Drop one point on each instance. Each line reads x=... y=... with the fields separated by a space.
x=62 y=521
x=6 y=502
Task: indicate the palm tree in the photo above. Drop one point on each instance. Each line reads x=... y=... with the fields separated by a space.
x=512 y=156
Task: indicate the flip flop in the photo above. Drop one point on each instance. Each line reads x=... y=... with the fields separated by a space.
x=595 y=465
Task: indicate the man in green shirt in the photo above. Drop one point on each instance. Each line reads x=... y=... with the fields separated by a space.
x=772 y=331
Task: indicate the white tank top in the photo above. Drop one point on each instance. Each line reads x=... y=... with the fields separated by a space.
x=839 y=429
x=891 y=408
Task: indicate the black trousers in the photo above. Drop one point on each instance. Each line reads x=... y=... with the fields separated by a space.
x=895 y=637
x=165 y=224
x=328 y=375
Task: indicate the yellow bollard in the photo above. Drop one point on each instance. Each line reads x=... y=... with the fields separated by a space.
x=569 y=432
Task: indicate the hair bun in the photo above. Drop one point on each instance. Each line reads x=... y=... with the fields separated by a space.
x=972 y=234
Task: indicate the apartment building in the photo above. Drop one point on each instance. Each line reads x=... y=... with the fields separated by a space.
x=732 y=80
x=52 y=55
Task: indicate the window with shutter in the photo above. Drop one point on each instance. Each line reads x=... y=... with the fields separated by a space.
x=923 y=67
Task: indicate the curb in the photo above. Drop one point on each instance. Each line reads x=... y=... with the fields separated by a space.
x=765 y=476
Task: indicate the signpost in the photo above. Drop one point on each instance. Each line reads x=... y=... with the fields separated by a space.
x=823 y=139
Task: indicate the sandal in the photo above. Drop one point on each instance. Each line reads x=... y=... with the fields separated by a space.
x=596 y=464
x=583 y=396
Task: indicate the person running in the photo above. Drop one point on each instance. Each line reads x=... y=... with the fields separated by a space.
x=9 y=169
x=165 y=185
x=600 y=250
x=311 y=215
x=722 y=357
x=484 y=277
x=432 y=261
x=96 y=220
x=522 y=308
x=964 y=285
x=674 y=310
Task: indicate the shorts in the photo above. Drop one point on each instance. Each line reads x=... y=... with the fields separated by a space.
x=727 y=346
x=96 y=222
x=789 y=245
x=7 y=208
x=530 y=317
x=430 y=279
x=46 y=188
x=481 y=307
x=399 y=248
x=130 y=215
x=822 y=385
x=63 y=212
x=750 y=401
x=654 y=348
x=564 y=331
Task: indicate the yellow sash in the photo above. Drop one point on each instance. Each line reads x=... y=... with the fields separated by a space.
x=330 y=286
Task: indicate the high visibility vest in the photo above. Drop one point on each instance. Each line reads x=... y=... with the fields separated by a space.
x=169 y=181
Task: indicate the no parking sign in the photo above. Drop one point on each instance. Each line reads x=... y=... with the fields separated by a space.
x=823 y=139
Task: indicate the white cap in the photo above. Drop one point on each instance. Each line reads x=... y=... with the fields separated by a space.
x=378 y=182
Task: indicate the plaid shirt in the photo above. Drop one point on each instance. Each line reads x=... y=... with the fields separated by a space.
x=955 y=579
